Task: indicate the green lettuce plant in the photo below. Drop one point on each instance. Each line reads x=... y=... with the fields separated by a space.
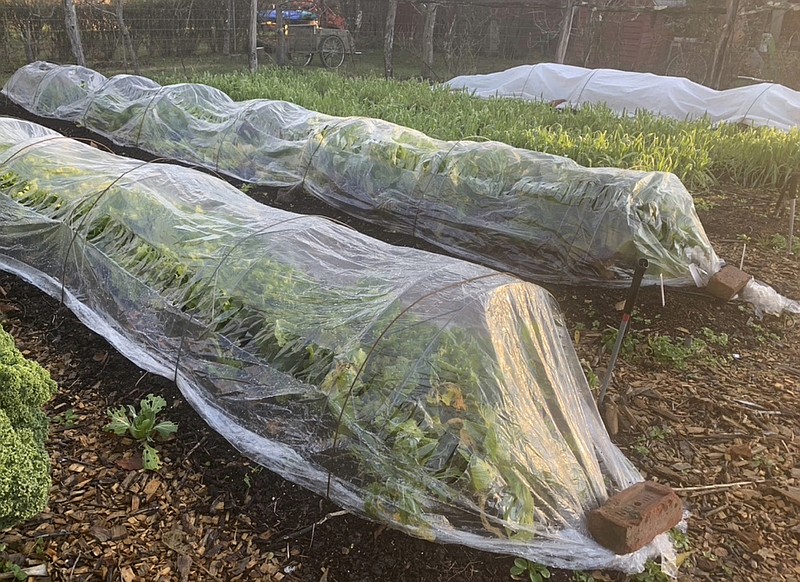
x=143 y=427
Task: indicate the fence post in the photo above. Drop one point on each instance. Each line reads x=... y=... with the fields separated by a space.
x=253 y=38
x=566 y=29
x=494 y=32
x=73 y=32
x=724 y=42
x=280 y=38
x=126 y=35
x=388 y=41
x=228 y=30
x=429 y=9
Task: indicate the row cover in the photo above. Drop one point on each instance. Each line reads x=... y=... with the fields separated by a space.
x=540 y=216
x=440 y=397
x=625 y=92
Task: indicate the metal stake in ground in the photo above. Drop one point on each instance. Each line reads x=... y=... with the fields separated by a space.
x=633 y=293
x=790 y=190
x=792 y=210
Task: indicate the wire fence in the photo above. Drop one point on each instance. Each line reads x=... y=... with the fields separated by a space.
x=468 y=37
x=190 y=32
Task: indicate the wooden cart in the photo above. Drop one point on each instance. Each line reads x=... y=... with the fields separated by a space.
x=303 y=41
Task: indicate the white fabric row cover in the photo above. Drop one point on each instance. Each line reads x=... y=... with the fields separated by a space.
x=421 y=391
x=625 y=92
x=539 y=216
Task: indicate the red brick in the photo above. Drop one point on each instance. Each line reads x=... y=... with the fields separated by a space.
x=727 y=282
x=632 y=518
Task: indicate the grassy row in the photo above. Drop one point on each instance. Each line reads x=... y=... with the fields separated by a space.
x=699 y=153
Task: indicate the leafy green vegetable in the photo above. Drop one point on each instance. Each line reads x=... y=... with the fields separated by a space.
x=143 y=427
x=24 y=464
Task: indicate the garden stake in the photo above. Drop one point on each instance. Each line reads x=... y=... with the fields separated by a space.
x=792 y=208
x=633 y=293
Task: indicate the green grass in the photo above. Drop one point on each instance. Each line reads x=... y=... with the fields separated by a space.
x=697 y=152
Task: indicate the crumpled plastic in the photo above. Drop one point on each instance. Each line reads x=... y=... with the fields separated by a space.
x=539 y=216
x=767 y=300
x=421 y=391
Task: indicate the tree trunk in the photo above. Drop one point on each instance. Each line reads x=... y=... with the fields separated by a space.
x=776 y=25
x=430 y=9
x=228 y=30
x=73 y=32
x=359 y=18
x=235 y=42
x=566 y=30
x=126 y=36
x=388 y=41
x=30 y=54
x=724 y=42
x=280 y=45
x=591 y=40
x=253 y=49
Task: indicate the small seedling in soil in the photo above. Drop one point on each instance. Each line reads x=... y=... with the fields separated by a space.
x=67 y=419
x=778 y=242
x=143 y=427
x=680 y=540
x=652 y=573
x=7 y=567
x=523 y=569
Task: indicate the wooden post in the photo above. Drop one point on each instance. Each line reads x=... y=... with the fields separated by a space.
x=793 y=189
x=388 y=41
x=73 y=32
x=253 y=36
x=280 y=39
x=776 y=25
x=429 y=9
x=27 y=36
x=566 y=30
x=724 y=43
x=494 y=34
x=126 y=35
x=359 y=18
x=234 y=44
x=228 y=30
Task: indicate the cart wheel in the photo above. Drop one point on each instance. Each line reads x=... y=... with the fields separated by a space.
x=331 y=52
x=692 y=66
x=307 y=58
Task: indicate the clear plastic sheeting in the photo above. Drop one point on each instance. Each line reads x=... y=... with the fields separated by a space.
x=539 y=216
x=437 y=396
x=625 y=92
x=17 y=130
x=767 y=300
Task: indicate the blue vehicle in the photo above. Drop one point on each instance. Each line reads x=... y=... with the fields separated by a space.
x=289 y=17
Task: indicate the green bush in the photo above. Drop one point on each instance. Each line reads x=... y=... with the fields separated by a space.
x=24 y=465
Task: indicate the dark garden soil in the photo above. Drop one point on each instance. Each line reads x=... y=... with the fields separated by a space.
x=716 y=420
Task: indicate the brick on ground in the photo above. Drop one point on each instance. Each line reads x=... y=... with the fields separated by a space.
x=727 y=282
x=633 y=517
